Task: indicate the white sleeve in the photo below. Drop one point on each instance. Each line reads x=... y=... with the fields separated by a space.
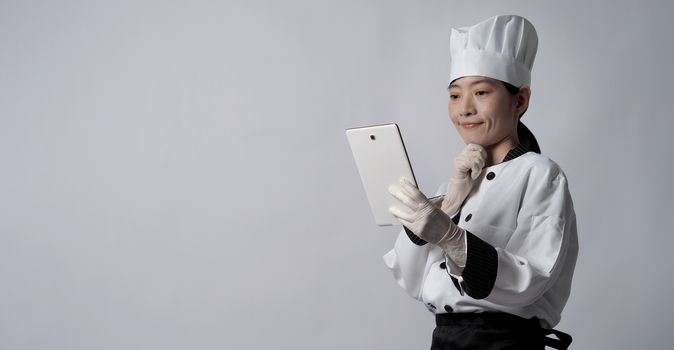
x=520 y=273
x=410 y=262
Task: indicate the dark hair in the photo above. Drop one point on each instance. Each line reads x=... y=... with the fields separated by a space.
x=523 y=133
x=514 y=90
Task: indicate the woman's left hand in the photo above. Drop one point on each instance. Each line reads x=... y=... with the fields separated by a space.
x=467 y=168
x=419 y=215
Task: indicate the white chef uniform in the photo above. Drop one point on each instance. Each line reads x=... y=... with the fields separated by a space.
x=521 y=245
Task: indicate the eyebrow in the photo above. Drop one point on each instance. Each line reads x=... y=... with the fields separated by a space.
x=484 y=80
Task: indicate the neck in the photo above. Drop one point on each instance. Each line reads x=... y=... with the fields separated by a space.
x=498 y=151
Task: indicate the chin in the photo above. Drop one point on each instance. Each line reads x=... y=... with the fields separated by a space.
x=482 y=140
x=469 y=140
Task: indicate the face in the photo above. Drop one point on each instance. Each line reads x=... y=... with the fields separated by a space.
x=483 y=111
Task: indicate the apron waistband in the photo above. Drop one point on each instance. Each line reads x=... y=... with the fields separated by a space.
x=485 y=318
x=503 y=320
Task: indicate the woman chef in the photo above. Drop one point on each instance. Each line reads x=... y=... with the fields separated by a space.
x=494 y=257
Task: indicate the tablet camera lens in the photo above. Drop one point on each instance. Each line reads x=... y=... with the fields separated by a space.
x=371 y=136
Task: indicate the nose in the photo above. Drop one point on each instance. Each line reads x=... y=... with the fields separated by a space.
x=467 y=108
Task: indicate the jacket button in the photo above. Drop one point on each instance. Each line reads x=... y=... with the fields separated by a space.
x=469 y=217
x=443 y=265
x=448 y=309
x=491 y=175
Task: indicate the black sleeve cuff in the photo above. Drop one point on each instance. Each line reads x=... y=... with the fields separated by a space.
x=479 y=274
x=414 y=238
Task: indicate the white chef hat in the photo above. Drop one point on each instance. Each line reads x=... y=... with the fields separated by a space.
x=501 y=47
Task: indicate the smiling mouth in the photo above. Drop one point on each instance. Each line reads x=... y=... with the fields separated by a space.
x=470 y=125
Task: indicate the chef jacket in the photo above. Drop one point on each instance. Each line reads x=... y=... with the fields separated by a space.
x=521 y=245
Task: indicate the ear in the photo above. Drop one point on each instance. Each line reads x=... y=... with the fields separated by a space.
x=522 y=100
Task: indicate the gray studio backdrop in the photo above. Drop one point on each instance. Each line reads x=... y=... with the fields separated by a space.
x=175 y=175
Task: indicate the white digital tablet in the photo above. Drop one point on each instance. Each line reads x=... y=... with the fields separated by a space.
x=381 y=160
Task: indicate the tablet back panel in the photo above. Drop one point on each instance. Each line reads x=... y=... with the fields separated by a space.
x=381 y=160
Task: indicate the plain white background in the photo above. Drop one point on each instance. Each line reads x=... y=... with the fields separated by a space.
x=175 y=175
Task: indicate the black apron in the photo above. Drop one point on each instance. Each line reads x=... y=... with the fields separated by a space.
x=493 y=331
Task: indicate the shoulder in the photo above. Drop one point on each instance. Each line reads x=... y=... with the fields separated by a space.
x=545 y=183
x=539 y=167
x=546 y=195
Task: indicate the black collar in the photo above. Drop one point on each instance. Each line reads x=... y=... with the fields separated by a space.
x=523 y=147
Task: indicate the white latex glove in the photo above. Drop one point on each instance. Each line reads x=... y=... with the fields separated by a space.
x=420 y=216
x=467 y=167
x=437 y=201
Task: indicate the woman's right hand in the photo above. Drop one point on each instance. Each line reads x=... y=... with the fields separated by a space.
x=467 y=167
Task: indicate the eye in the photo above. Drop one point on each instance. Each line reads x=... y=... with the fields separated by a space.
x=453 y=96
x=481 y=92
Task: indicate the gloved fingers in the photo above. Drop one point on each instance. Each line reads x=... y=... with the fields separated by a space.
x=483 y=152
x=405 y=215
x=482 y=161
x=448 y=205
x=437 y=201
x=468 y=167
x=473 y=151
x=472 y=161
x=399 y=193
x=477 y=148
x=479 y=164
x=470 y=152
x=473 y=146
x=460 y=169
x=413 y=191
x=475 y=170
